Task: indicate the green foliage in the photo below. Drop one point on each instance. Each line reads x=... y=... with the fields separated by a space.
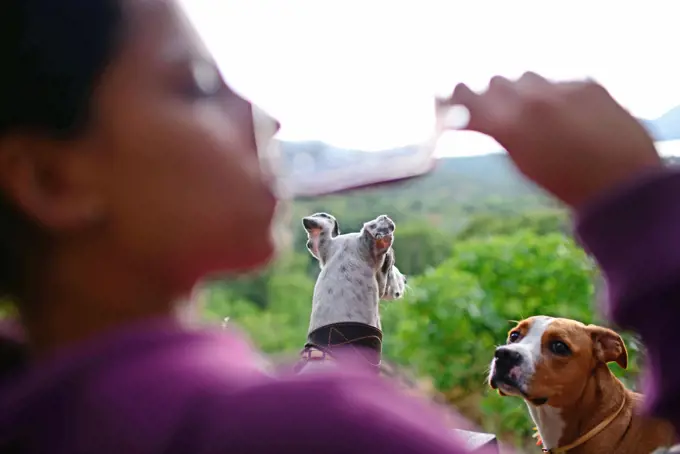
x=525 y=274
x=541 y=222
x=281 y=327
x=419 y=247
x=434 y=330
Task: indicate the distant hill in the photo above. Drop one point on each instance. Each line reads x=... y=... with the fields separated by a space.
x=453 y=190
x=458 y=180
x=445 y=197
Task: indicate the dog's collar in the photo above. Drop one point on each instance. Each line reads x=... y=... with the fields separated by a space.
x=322 y=341
x=585 y=437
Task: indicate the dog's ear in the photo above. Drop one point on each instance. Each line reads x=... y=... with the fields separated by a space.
x=608 y=346
x=319 y=227
x=388 y=262
x=380 y=233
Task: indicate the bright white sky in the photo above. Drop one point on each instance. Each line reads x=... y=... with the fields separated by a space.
x=362 y=73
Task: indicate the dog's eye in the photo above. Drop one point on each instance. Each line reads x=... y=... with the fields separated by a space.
x=514 y=336
x=559 y=348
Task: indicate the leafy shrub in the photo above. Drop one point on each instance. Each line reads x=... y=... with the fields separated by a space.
x=457 y=314
x=419 y=247
x=281 y=327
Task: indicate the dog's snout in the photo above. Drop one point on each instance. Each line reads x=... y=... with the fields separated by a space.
x=507 y=356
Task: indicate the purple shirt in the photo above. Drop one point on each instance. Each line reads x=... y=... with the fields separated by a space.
x=158 y=388
x=634 y=234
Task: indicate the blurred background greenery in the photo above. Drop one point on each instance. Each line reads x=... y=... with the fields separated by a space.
x=481 y=248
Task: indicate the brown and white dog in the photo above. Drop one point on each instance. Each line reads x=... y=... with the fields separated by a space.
x=559 y=366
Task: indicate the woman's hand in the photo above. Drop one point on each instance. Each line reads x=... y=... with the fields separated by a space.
x=573 y=139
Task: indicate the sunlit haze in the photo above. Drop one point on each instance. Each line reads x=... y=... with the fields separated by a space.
x=363 y=74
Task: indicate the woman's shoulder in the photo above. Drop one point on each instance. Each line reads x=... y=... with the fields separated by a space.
x=134 y=388
x=202 y=391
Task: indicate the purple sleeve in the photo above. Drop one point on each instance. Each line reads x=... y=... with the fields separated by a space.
x=634 y=234
x=327 y=413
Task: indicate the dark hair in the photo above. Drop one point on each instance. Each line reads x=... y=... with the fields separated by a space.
x=53 y=53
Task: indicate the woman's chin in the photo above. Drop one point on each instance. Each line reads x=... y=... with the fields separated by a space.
x=255 y=250
x=252 y=257
x=258 y=259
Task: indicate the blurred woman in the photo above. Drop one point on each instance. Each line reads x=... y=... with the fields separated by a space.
x=129 y=172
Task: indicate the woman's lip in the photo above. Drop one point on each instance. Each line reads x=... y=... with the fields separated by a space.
x=272 y=189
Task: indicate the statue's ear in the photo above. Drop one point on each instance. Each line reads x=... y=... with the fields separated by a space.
x=380 y=233
x=319 y=227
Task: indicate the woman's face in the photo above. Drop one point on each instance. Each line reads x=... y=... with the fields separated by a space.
x=175 y=159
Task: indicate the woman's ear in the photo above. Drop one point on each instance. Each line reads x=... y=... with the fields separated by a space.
x=608 y=346
x=49 y=180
